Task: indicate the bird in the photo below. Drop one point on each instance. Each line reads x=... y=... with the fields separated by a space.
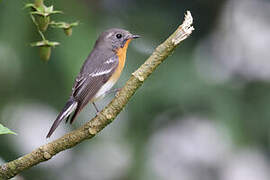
x=100 y=71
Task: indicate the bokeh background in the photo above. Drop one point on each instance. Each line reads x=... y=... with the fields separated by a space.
x=204 y=114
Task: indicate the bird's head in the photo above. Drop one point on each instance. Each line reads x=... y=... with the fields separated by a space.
x=115 y=39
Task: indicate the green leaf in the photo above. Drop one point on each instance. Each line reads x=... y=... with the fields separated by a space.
x=63 y=25
x=42 y=10
x=4 y=130
x=29 y=5
x=45 y=43
x=67 y=27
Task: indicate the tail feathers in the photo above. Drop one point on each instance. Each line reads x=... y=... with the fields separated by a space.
x=75 y=115
x=80 y=106
x=70 y=106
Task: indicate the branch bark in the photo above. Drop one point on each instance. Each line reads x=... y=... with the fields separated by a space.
x=108 y=114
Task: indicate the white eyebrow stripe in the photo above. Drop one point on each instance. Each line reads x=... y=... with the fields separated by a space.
x=100 y=73
x=109 y=34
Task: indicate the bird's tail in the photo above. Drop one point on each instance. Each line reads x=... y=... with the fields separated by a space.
x=70 y=106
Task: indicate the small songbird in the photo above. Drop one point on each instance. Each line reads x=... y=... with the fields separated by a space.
x=98 y=74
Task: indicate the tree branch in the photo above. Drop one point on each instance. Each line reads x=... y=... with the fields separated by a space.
x=108 y=114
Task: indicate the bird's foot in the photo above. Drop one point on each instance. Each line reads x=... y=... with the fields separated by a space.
x=107 y=92
x=96 y=108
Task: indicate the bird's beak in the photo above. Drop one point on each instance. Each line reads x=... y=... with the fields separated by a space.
x=129 y=37
x=135 y=36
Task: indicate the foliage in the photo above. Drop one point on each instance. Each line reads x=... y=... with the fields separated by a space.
x=4 y=130
x=41 y=17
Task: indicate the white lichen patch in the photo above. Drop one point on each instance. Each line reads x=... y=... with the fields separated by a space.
x=47 y=155
x=184 y=30
x=92 y=131
x=109 y=116
x=138 y=76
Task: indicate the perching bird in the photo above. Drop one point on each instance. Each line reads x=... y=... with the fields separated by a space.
x=98 y=74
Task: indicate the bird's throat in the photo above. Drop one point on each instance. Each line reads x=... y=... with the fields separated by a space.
x=121 y=53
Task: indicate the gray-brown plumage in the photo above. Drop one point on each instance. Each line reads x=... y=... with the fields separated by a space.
x=98 y=74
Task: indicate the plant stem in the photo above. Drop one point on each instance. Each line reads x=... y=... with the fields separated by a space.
x=39 y=31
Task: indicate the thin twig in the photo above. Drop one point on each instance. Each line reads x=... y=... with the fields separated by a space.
x=39 y=31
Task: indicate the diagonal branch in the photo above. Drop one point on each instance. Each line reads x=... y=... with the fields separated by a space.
x=108 y=114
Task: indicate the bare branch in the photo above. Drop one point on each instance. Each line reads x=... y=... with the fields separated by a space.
x=108 y=114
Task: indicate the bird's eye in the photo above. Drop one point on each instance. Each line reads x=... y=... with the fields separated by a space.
x=119 y=36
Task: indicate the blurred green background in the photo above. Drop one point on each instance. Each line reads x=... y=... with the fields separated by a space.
x=204 y=114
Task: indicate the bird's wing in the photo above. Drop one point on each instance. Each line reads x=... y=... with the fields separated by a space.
x=88 y=82
x=94 y=74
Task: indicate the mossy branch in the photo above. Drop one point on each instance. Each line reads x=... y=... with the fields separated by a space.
x=108 y=114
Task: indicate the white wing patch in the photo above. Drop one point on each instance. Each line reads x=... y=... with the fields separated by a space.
x=109 y=61
x=99 y=73
x=110 y=34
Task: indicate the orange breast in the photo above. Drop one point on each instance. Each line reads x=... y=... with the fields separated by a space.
x=121 y=53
